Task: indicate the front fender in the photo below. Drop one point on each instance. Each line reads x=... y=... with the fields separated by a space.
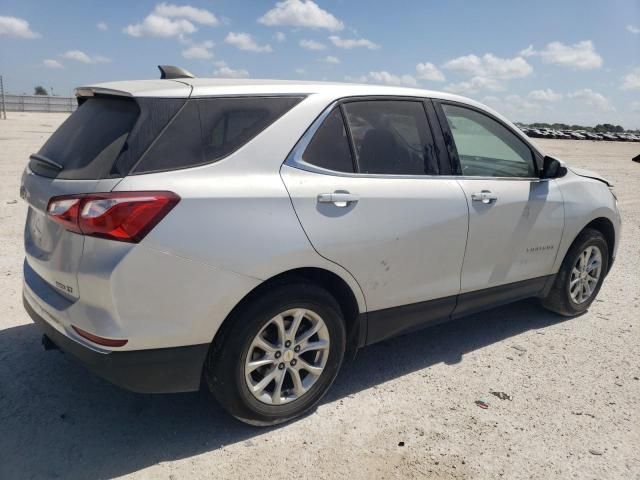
x=585 y=200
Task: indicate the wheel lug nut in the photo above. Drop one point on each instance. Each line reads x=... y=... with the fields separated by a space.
x=278 y=354
x=281 y=366
x=287 y=343
x=293 y=362
x=297 y=348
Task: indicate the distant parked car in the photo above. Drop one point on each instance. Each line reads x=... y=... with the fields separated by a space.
x=253 y=233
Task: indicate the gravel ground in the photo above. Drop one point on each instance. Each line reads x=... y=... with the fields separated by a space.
x=403 y=408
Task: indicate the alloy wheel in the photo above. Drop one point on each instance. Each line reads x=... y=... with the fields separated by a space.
x=585 y=274
x=287 y=356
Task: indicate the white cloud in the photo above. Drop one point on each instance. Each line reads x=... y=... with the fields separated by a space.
x=581 y=55
x=488 y=72
x=245 y=41
x=331 y=59
x=200 y=51
x=197 y=15
x=301 y=71
x=474 y=85
x=631 y=81
x=635 y=106
x=491 y=67
x=224 y=71
x=300 y=13
x=592 y=99
x=349 y=43
x=16 y=27
x=547 y=95
x=168 y=20
x=527 y=52
x=157 y=26
x=102 y=26
x=280 y=37
x=428 y=71
x=519 y=104
x=312 y=45
x=50 y=63
x=633 y=29
x=386 y=78
x=80 y=56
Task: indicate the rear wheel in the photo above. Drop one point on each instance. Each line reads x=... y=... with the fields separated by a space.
x=580 y=276
x=278 y=355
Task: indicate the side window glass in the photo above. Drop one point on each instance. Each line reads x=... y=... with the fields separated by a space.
x=329 y=147
x=392 y=137
x=485 y=147
x=229 y=123
x=208 y=129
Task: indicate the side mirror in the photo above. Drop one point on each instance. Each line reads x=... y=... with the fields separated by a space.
x=552 y=168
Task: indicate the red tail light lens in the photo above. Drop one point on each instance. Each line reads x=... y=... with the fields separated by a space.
x=122 y=216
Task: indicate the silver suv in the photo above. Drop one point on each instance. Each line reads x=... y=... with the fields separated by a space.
x=252 y=234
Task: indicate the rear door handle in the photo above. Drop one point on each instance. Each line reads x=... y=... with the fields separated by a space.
x=485 y=196
x=339 y=199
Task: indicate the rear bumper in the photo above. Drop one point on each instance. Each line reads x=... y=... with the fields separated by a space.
x=163 y=370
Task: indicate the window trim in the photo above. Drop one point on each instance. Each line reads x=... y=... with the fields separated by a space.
x=294 y=159
x=537 y=157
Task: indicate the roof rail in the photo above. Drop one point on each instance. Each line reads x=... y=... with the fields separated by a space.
x=169 y=72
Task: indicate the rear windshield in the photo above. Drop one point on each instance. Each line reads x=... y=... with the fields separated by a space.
x=209 y=129
x=87 y=144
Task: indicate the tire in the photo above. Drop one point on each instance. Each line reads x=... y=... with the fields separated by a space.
x=236 y=344
x=560 y=299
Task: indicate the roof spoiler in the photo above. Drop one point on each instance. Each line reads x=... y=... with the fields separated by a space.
x=169 y=72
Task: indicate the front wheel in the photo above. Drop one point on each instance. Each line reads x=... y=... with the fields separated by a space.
x=581 y=275
x=278 y=355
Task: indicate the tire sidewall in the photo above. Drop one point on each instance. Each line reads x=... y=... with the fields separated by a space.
x=229 y=384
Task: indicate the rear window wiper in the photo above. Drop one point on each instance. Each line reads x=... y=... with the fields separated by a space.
x=46 y=161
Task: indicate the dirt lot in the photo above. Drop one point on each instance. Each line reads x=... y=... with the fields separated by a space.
x=403 y=408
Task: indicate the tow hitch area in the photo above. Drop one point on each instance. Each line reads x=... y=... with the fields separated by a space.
x=48 y=344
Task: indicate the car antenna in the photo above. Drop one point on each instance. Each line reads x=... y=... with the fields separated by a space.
x=169 y=72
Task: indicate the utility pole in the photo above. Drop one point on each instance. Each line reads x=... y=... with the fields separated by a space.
x=4 y=108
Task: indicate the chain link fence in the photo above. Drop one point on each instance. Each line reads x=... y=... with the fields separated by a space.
x=39 y=103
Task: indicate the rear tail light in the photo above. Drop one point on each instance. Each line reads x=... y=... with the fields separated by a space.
x=122 y=216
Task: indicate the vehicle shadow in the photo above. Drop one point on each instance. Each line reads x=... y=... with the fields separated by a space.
x=59 y=421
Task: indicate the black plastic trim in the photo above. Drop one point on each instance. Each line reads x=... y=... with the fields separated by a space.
x=472 y=302
x=162 y=370
x=389 y=322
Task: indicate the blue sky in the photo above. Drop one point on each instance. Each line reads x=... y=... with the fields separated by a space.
x=569 y=61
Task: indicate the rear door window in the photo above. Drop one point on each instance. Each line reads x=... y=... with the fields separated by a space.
x=88 y=143
x=209 y=129
x=391 y=137
x=329 y=147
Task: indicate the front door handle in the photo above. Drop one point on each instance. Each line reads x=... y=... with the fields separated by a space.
x=485 y=196
x=339 y=199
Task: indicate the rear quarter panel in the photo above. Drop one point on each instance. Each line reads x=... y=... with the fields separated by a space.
x=235 y=218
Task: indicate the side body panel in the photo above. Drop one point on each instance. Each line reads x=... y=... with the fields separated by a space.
x=403 y=240
x=513 y=238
